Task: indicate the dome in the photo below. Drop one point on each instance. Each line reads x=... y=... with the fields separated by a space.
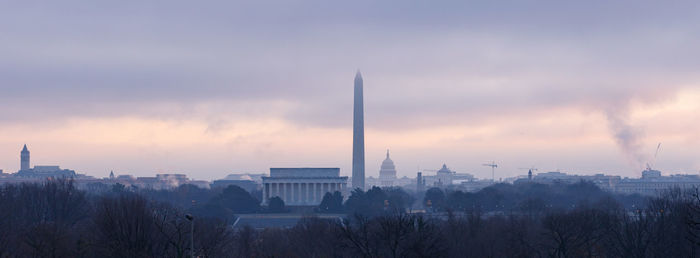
x=444 y=170
x=388 y=170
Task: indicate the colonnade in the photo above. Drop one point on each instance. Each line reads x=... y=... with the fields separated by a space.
x=295 y=193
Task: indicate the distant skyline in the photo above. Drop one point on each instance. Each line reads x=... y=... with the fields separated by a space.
x=208 y=90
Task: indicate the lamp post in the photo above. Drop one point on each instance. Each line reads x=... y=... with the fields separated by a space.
x=191 y=219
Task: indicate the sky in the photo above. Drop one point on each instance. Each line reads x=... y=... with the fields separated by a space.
x=212 y=88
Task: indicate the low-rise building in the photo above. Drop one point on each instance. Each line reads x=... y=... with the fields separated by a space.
x=652 y=183
x=248 y=185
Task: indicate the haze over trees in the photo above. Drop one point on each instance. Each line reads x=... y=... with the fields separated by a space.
x=54 y=219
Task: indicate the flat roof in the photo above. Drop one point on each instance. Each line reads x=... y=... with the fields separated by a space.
x=304 y=172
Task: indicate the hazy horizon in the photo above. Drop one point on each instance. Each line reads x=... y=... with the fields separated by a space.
x=144 y=87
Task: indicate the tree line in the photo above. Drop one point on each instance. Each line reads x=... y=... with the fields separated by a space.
x=55 y=219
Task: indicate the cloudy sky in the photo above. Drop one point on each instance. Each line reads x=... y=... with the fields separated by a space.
x=217 y=87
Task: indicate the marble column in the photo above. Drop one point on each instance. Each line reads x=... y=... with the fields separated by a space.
x=316 y=190
x=291 y=193
x=320 y=192
x=299 y=196
x=276 y=186
x=310 y=196
x=265 y=192
x=301 y=193
x=283 y=194
x=295 y=193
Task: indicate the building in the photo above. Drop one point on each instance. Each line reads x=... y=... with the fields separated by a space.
x=158 y=182
x=358 y=136
x=420 y=183
x=248 y=185
x=149 y=182
x=204 y=184
x=40 y=171
x=404 y=181
x=458 y=178
x=444 y=176
x=125 y=178
x=302 y=186
x=174 y=180
x=652 y=183
x=387 y=172
x=24 y=159
x=257 y=178
x=605 y=182
x=46 y=172
x=475 y=185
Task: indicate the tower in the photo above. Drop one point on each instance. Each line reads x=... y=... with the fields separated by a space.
x=358 y=137
x=24 y=159
x=420 y=183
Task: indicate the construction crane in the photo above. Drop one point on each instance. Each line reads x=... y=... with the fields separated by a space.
x=493 y=166
x=653 y=162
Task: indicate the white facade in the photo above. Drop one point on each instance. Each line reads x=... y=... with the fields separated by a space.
x=302 y=186
x=387 y=172
x=444 y=176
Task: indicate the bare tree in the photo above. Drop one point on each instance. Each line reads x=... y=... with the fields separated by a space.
x=357 y=233
x=125 y=227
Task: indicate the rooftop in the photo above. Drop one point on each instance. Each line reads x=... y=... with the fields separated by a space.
x=304 y=172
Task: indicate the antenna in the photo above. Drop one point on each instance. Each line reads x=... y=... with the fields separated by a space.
x=493 y=166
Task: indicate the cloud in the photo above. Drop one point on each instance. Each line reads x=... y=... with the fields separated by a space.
x=426 y=65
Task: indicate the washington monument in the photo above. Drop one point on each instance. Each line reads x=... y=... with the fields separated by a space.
x=358 y=137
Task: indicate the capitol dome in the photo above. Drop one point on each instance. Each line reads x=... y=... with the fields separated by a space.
x=388 y=170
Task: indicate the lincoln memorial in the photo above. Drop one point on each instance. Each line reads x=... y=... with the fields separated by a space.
x=302 y=186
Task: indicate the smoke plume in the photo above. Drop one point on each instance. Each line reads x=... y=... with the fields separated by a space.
x=627 y=137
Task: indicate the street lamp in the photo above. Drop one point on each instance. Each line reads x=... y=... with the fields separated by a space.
x=191 y=219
